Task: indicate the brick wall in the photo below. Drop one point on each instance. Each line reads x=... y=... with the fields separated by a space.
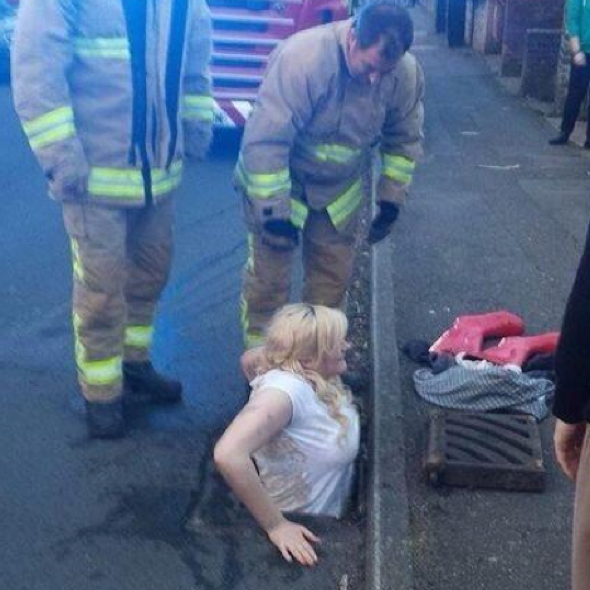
x=540 y=61
x=520 y=16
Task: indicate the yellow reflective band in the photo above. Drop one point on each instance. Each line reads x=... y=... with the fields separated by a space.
x=299 y=213
x=100 y=372
x=58 y=134
x=51 y=127
x=398 y=168
x=48 y=120
x=163 y=181
x=346 y=204
x=104 y=372
x=139 y=336
x=104 y=47
x=264 y=186
x=250 y=259
x=79 y=349
x=253 y=340
x=77 y=262
x=244 y=315
x=200 y=107
x=336 y=153
x=118 y=183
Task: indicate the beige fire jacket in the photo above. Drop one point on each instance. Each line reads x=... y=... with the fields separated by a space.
x=312 y=123
x=111 y=93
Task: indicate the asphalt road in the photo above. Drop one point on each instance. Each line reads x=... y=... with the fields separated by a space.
x=146 y=512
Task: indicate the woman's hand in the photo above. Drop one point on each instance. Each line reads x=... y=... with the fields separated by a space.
x=568 y=439
x=294 y=541
x=579 y=59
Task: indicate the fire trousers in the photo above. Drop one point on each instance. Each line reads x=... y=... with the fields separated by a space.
x=121 y=262
x=327 y=268
x=581 y=540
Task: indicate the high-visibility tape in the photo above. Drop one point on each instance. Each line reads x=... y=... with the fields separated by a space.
x=99 y=372
x=346 y=204
x=299 y=213
x=128 y=183
x=335 y=153
x=51 y=127
x=139 y=336
x=199 y=107
x=103 y=372
x=398 y=168
x=264 y=186
x=77 y=261
x=250 y=259
x=103 y=47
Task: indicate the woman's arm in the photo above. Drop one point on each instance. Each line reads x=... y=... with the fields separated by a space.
x=267 y=413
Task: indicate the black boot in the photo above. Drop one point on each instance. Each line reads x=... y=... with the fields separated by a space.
x=105 y=420
x=144 y=384
x=560 y=139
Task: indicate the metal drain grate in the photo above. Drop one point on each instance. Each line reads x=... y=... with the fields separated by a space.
x=500 y=451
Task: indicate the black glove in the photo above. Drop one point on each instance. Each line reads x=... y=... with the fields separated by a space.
x=280 y=234
x=383 y=222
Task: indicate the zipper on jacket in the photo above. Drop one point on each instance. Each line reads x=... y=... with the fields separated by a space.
x=136 y=19
x=173 y=84
x=157 y=104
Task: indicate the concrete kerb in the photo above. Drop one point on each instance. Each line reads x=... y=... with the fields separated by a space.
x=388 y=562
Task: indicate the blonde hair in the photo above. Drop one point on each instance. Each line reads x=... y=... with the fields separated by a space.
x=302 y=332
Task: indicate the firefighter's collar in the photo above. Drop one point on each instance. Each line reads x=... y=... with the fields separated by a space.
x=342 y=34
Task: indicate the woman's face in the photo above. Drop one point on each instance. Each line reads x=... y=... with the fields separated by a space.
x=333 y=363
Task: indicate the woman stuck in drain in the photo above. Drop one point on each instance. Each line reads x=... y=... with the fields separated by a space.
x=293 y=446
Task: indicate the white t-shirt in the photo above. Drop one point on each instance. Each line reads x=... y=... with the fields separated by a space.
x=309 y=466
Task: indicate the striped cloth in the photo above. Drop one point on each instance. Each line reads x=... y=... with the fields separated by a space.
x=485 y=390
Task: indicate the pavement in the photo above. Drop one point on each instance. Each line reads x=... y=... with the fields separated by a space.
x=496 y=220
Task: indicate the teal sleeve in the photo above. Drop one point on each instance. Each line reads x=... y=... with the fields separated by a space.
x=573 y=15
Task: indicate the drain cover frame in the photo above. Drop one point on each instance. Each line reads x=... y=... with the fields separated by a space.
x=485 y=450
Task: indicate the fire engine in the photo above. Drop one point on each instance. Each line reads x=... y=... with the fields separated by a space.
x=244 y=34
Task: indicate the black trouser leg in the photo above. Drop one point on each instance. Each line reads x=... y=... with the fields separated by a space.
x=588 y=121
x=578 y=86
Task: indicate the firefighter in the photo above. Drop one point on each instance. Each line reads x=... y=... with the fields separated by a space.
x=111 y=94
x=329 y=95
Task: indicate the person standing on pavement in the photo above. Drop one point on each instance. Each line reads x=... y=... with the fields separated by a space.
x=577 y=26
x=329 y=95
x=293 y=446
x=111 y=94
x=572 y=410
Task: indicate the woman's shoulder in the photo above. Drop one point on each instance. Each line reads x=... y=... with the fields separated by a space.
x=299 y=390
x=280 y=379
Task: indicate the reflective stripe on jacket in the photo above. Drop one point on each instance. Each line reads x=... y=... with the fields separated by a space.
x=313 y=125
x=111 y=87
